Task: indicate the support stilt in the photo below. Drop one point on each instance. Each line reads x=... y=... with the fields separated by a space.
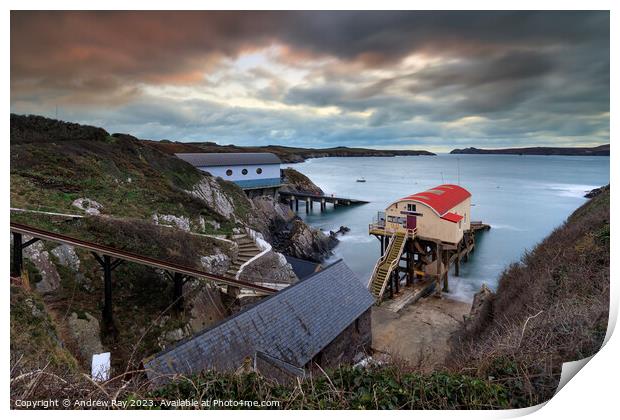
x=446 y=259
x=178 y=291
x=107 y=299
x=17 y=255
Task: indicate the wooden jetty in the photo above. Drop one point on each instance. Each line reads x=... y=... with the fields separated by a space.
x=293 y=199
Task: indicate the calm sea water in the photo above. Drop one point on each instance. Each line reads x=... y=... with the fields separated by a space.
x=523 y=198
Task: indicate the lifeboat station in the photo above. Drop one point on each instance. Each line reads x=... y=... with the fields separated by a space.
x=421 y=236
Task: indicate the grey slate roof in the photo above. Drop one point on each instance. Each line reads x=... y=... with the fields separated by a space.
x=302 y=268
x=293 y=325
x=228 y=159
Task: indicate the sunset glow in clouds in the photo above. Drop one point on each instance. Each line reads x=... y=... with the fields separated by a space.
x=433 y=80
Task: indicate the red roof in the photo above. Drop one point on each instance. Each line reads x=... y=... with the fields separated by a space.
x=441 y=198
x=452 y=217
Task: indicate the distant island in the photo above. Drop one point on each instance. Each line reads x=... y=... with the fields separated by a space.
x=285 y=153
x=602 y=150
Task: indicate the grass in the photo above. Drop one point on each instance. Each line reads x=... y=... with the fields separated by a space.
x=34 y=339
x=53 y=163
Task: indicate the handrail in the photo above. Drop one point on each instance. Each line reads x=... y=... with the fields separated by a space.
x=379 y=262
x=133 y=257
x=392 y=265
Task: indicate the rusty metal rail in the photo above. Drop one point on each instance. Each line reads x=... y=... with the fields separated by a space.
x=133 y=257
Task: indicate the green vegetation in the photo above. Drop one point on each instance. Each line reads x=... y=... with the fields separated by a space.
x=34 y=339
x=54 y=163
x=550 y=308
x=346 y=388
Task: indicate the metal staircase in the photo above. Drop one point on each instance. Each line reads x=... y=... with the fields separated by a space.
x=386 y=265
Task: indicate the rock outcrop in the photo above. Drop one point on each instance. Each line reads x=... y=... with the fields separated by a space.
x=84 y=331
x=90 y=207
x=269 y=268
x=295 y=181
x=306 y=242
x=49 y=279
x=67 y=257
x=481 y=311
x=217 y=263
x=288 y=234
x=209 y=191
x=593 y=193
x=180 y=222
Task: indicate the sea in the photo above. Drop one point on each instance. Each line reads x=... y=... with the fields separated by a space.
x=523 y=198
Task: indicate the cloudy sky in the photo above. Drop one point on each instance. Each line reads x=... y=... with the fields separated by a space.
x=430 y=80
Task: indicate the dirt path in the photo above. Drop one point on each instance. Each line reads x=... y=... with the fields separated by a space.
x=419 y=333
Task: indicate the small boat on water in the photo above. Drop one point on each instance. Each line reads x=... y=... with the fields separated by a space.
x=360 y=180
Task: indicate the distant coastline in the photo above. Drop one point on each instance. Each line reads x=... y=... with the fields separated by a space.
x=285 y=153
x=602 y=150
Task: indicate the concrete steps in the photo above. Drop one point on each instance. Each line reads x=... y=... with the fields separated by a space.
x=246 y=251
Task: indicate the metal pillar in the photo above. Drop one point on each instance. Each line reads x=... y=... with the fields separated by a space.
x=307 y=205
x=108 y=266
x=290 y=203
x=17 y=254
x=311 y=204
x=107 y=280
x=296 y=204
x=178 y=291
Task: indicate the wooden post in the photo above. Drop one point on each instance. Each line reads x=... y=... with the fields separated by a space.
x=307 y=205
x=311 y=204
x=396 y=279
x=446 y=258
x=290 y=203
x=296 y=204
x=323 y=205
x=457 y=262
x=409 y=264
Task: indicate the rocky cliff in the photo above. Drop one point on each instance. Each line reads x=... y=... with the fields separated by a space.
x=121 y=192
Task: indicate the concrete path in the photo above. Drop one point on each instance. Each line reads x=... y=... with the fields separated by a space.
x=418 y=334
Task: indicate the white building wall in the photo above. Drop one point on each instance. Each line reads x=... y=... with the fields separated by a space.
x=269 y=171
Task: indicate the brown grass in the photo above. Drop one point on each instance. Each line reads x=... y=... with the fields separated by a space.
x=550 y=308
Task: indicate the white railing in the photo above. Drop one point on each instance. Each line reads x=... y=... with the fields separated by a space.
x=260 y=243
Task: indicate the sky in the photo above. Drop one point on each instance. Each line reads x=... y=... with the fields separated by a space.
x=404 y=80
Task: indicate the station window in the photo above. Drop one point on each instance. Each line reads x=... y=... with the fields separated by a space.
x=259 y=170
x=244 y=171
x=411 y=207
x=229 y=172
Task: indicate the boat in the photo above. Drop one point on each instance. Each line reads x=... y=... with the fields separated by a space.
x=360 y=180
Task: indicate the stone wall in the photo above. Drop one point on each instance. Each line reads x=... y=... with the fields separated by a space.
x=349 y=346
